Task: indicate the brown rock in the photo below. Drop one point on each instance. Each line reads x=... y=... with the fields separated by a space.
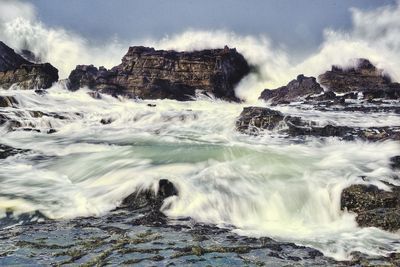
x=365 y=78
x=157 y=74
x=374 y=207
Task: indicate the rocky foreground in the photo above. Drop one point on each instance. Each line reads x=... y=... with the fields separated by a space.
x=138 y=232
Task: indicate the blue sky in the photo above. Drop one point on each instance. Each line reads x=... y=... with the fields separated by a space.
x=296 y=24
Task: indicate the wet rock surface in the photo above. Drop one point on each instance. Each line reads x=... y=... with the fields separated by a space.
x=157 y=74
x=118 y=239
x=15 y=70
x=254 y=119
x=373 y=206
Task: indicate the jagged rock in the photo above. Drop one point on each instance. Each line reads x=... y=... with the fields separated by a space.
x=295 y=90
x=15 y=70
x=364 y=77
x=253 y=119
x=374 y=207
x=157 y=74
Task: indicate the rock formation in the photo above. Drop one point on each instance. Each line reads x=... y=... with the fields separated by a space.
x=364 y=77
x=295 y=90
x=157 y=74
x=15 y=70
x=364 y=80
x=373 y=206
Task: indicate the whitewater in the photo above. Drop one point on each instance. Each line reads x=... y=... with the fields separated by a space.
x=267 y=185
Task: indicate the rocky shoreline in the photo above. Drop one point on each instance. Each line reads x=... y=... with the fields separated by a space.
x=138 y=231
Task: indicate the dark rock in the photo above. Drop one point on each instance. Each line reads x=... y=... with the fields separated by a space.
x=374 y=207
x=293 y=91
x=151 y=105
x=257 y=117
x=9 y=60
x=15 y=70
x=157 y=74
x=395 y=162
x=364 y=77
x=149 y=198
x=254 y=119
x=7 y=151
x=51 y=131
x=106 y=121
x=7 y=101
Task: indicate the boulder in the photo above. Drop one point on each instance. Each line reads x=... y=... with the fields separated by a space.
x=15 y=70
x=157 y=74
x=295 y=90
x=373 y=206
x=363 y=77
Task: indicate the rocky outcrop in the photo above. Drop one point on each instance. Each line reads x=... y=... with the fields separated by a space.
x=362 y=81
x=15 y=70
x=254 y=119
x=363 y=77
x=295 y=90
x=373 y=206
x=157 y=74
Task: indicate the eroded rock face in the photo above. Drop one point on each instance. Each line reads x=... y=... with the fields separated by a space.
x=157 y=74
x=15 y=70
x=254 y=119
x=364 y=77
x=297 y=89
x=374 y=207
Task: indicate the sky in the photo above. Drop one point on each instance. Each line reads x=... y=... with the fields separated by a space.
x=295 y=24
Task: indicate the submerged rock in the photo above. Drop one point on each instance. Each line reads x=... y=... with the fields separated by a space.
x=374 y=207
x=296 y=90
x=254 y=119
x=15 y=70
x=363 y=77
x=157 y=74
